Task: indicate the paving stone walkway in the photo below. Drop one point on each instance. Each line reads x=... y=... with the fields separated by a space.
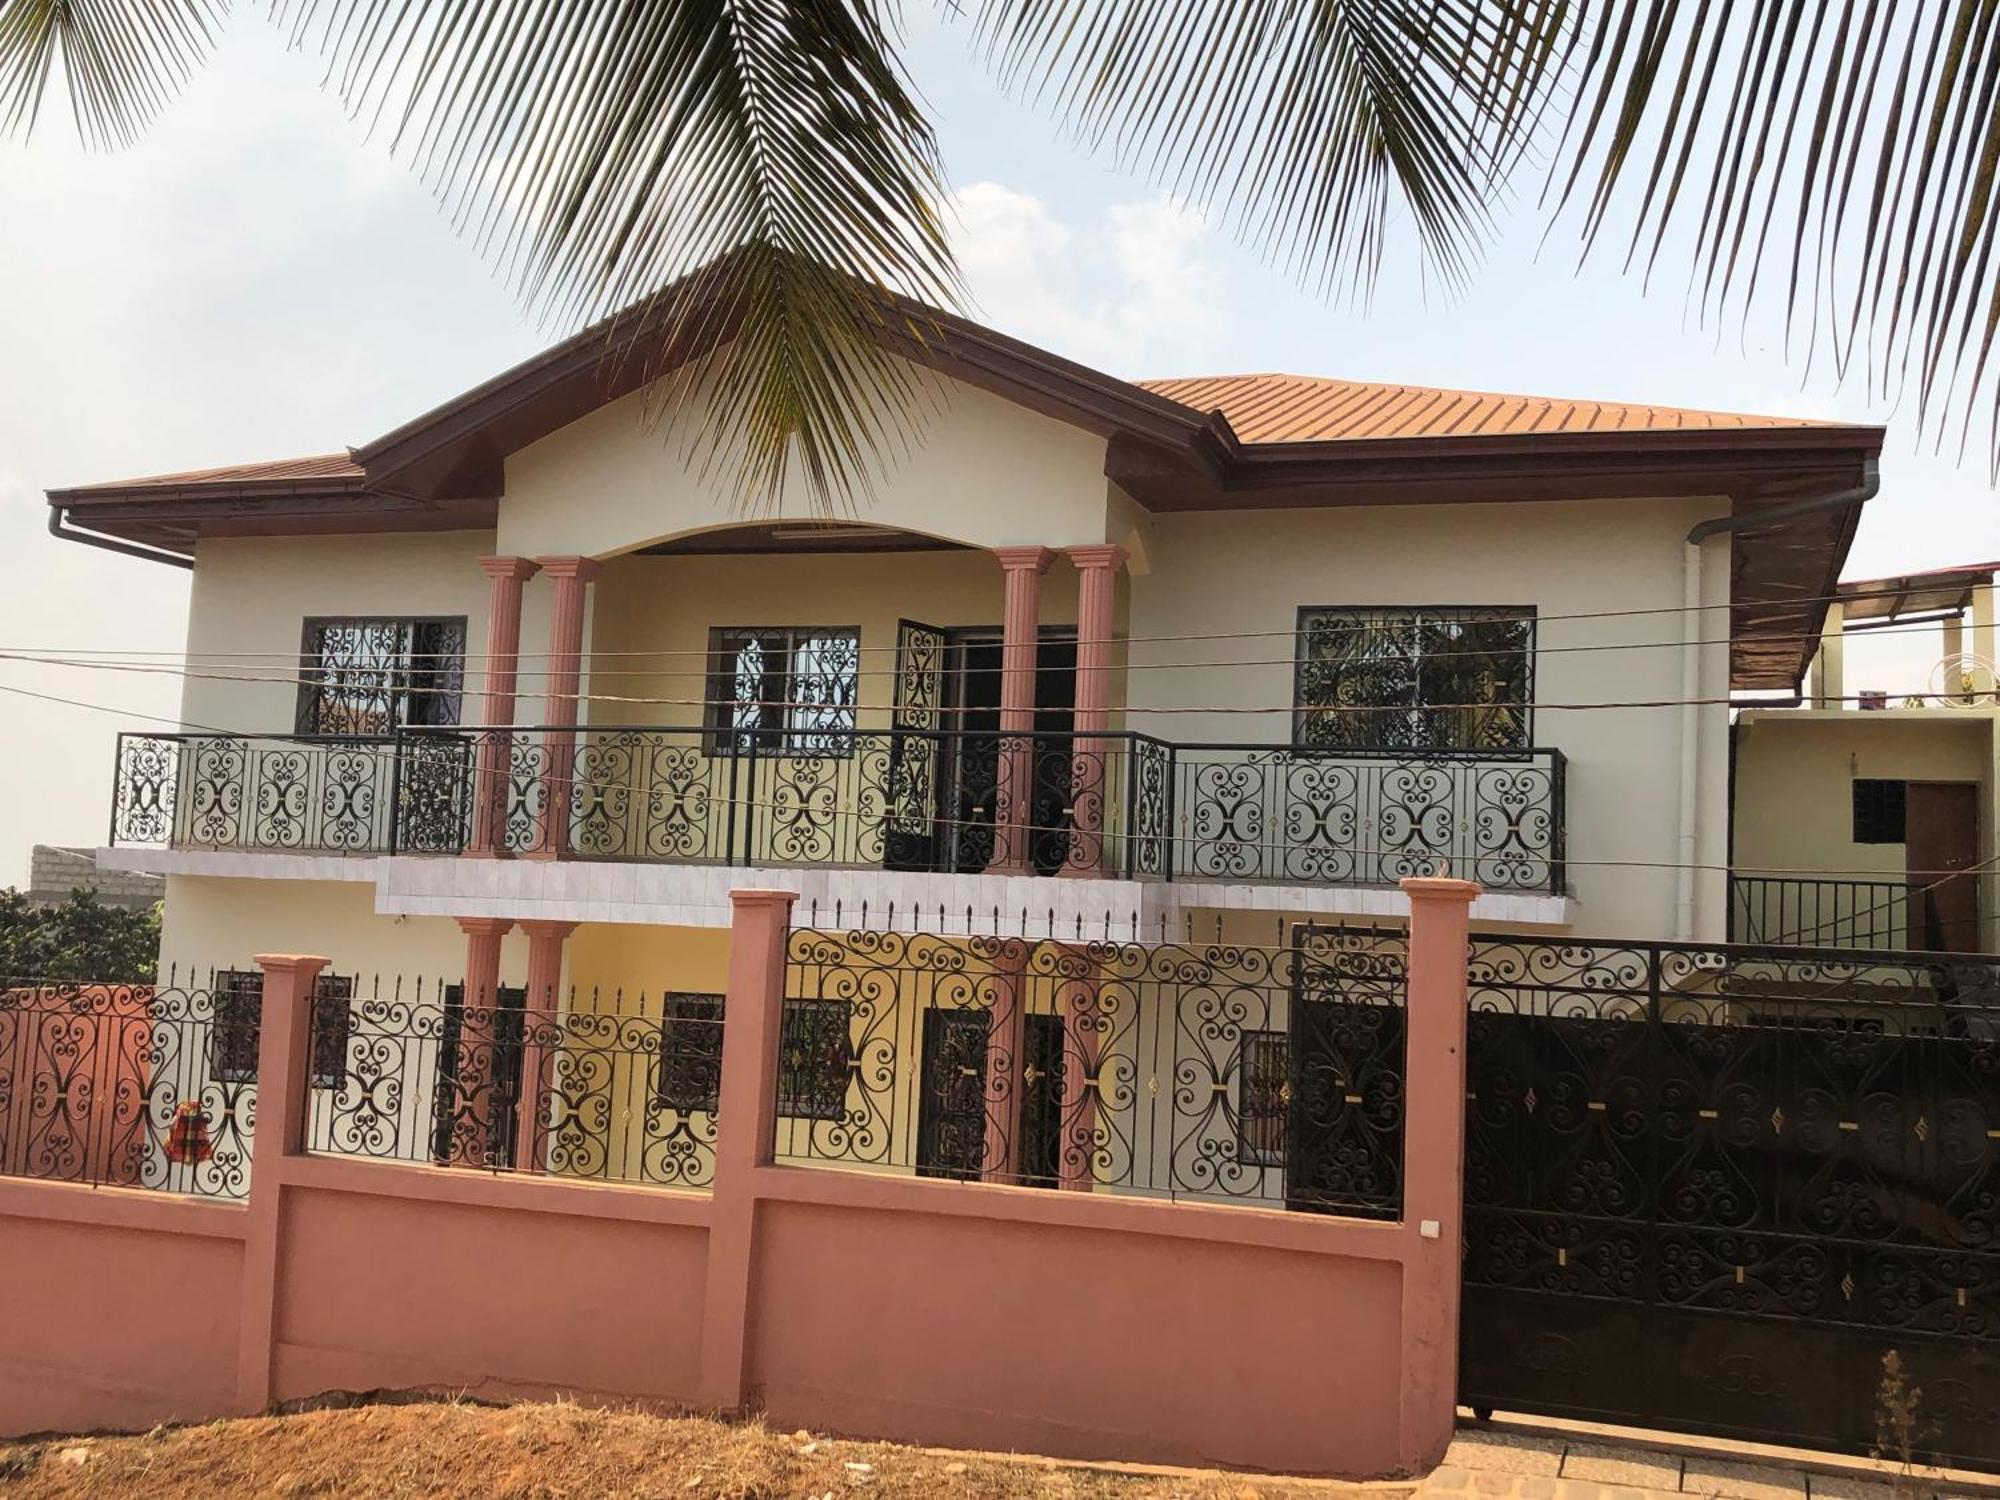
x=1505 y=1465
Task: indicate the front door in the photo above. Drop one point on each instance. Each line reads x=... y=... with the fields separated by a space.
x=951 y=1110
x=916 y=762
x=1941 y=835
x=477 y=1083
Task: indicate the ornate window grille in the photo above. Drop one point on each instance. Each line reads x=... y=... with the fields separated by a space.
x=786 y=689
x=1420 y=678
x=690 y=1078
x=370 y=676
x=813 y=1059
x=1262 y=1098
x=239 y=1007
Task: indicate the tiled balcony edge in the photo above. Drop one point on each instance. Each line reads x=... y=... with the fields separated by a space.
x=698 y=895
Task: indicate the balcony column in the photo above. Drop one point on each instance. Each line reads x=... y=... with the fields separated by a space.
x=472 y=1102
x=572 y=576
x=1020 y=639
x=503 y=675
x=1090 y=766
x=541 y=1041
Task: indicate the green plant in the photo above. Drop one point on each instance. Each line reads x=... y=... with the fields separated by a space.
x=80 y=938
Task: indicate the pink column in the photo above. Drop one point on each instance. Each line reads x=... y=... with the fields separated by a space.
x=1019 y=638
x=572 y=576
x=283 y=1095
x=540 y=1041
x=503 y=672
x=1090 y=777
x=1006 y=1044
x=747 y=1107
x=1433 y=1163
x=472 y=1107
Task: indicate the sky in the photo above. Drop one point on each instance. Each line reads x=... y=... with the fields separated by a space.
x=257 y=278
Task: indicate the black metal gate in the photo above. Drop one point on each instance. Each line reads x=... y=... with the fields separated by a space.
x=1711 y=1189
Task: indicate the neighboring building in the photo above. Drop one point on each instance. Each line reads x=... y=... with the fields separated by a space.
x=1856 y=812
x=54 y=873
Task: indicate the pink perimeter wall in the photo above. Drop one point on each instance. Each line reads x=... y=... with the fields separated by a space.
x=1079 y=1324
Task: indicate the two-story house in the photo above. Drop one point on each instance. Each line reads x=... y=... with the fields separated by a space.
x=514 y=694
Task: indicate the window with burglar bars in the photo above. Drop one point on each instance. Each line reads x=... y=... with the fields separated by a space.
x=239 y=1007
x=690 y=1078
x=788 y=689
x=813 y=1059
x=372 y=676
x=1262 y=1096
x=1428 y=678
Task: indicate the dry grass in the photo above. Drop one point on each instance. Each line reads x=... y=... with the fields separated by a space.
x=444 y=1448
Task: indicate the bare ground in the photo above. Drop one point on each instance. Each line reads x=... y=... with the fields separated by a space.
x=446 y=1449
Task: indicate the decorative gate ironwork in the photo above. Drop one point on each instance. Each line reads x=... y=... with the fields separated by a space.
x=1710 y=1188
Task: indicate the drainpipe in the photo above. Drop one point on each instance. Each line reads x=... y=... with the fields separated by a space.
x=1860 y=494
x=111 y=543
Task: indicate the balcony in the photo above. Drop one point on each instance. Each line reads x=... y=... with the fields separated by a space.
x=1116 y=803
x=1873 y=916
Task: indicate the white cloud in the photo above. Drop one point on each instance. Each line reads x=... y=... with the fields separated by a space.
x=1137 y=293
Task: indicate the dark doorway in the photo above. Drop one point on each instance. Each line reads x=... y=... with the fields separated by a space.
x=1942 y=835
x=972 y=698
x=951 y=1110
x=487 y=1086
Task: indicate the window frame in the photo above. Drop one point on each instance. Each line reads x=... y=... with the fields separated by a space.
x=1876 y=812
x=1248 y=1152
x=677 y=1059
x=231 y=1032
x=799 y=1104
x=305 y=715
x=1382 y=615
x=723 y=737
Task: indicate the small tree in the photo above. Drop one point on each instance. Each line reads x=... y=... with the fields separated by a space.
x=81 y=939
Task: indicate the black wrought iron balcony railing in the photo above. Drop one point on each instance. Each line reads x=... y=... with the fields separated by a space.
x=1875 y=916
x=1116 y=803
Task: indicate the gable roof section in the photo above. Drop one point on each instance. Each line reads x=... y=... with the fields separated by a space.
x=1314 y=409
x=1234 y=442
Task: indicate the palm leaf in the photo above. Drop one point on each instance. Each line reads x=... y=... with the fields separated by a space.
x=122 y=60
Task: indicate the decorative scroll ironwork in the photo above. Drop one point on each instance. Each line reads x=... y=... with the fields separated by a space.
x=1101 y=1065
x=1415 y=679
x=1259 y=813
x=118 y=1085
x=1802 y=1143
x=610 y=1087
x=907 y=798
x=372 y=676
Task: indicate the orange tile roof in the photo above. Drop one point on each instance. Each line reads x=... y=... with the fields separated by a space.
x=314 y=466
x=1311 y=408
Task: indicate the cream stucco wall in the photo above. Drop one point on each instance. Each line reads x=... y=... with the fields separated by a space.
x=252 y=596
x=1243 y=576
x=982 y=471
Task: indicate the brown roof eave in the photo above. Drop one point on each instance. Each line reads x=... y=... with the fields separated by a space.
x=1668 y=444
x=86 y=496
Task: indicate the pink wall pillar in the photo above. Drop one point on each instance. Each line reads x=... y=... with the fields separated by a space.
x=472 y=1107
x=541 y=1040
x=1433 y=1162
x=503 y=673
x=747 y=1107
x=1020 y=634
x=571 y=576
x=1090 y=778
x=1006 y=1046
x=283 y=1092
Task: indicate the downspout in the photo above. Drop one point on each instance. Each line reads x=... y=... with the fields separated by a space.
x=1690 y=778
x=66 y=533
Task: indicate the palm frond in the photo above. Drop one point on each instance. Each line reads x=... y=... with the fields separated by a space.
x=121 y=60
x=606 y=152
x=1847 y=146
x=1305 y=121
